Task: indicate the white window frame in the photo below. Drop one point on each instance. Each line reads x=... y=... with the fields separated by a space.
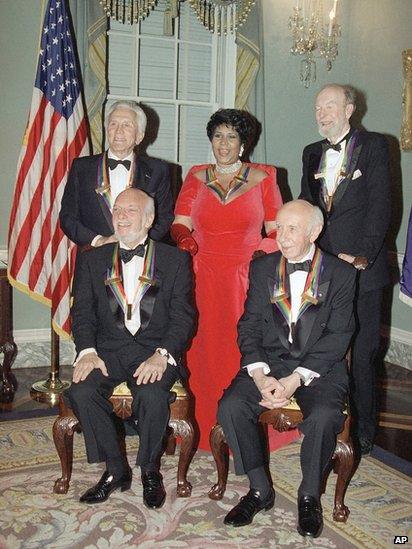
x=222 y=77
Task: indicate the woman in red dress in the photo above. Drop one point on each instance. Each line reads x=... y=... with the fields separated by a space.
x=219 y=216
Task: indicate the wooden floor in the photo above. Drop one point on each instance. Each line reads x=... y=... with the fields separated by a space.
x=395 y=411
x=395 y=405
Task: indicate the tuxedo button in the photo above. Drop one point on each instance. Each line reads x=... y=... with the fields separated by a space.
x=323 y=324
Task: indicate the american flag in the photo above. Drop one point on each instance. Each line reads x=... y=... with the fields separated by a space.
x=41 y=258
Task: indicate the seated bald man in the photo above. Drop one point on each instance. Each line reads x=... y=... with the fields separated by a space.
x=132 y=319
x=293 y=336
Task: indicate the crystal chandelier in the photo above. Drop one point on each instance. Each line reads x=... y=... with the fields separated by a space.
x=128 y=11
x=220 y=16
x=312 y=37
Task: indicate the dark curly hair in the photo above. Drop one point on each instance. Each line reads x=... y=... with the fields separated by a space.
x=241 y=121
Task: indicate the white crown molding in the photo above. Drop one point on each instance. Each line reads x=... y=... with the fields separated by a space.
x=30 y=336
x=396 y=334
x=396 y=258
x=3 y=255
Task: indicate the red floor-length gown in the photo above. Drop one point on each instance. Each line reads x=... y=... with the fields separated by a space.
x=227 y=236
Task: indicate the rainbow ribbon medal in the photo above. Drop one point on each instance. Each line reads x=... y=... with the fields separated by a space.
x=114 y=279
x=103 y=181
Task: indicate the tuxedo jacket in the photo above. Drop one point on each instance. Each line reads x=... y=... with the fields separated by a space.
x=166 y=309
x=85 y=214
x=322 y=332
x=360 y=215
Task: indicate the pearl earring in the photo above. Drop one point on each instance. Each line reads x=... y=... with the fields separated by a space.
x=242 y=148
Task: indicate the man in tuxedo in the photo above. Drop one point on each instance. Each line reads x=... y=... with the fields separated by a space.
x=293 y=336
x=95 y=181
x=132 y=319
x=347 y=176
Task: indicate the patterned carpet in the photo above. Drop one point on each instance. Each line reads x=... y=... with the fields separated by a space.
x=31 y=516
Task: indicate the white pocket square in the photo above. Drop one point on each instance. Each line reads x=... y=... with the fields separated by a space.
x=356 y=174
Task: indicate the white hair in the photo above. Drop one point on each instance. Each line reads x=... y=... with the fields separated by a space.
x=150 y=205
x=316 y=217
x=141 y=119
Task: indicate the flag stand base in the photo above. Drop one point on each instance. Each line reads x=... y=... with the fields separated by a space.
x=48 y=390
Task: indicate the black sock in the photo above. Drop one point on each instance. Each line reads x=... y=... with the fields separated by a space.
x=259 y=480
x=117 y=466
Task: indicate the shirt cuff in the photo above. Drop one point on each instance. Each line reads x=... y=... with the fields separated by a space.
x=255 y=366
x=84 y=352
x=170 y=359
x=308 y=375
x=95 y=239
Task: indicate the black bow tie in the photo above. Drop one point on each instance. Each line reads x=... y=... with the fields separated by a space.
x=127 y=255
x=303 y=266
x=326 y=146
x=113 y=163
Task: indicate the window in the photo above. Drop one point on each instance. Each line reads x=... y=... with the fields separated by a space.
x=182 y=79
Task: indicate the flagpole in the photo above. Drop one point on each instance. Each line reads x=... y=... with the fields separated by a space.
x=48 y=390
x=41 y=258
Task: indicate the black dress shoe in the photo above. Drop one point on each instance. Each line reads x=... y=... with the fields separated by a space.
x=106 y=485
x=248 y=506
x=154 y=493
x=310 y=521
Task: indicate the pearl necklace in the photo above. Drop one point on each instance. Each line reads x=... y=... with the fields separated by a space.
x=231 y=168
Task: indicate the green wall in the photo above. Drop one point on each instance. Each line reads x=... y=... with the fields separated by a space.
x=19 y=35
x=374 y=34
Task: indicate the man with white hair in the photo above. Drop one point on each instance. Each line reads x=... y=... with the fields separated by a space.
x=132 y=320
x=293 y=337
x=347 y=175
x=95 y=181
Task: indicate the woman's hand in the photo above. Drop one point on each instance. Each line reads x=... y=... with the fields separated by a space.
x=183 y=238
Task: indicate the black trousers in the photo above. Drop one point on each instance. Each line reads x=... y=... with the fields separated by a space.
x=322 y=404
x=89 y=400
x=363 y=373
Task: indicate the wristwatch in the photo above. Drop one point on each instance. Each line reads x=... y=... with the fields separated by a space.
x=163 y=352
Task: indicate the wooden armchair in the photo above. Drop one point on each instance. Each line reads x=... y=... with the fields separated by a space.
x=284 y=419
x=181 y=423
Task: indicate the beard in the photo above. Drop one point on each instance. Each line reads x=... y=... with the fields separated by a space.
x=130 y=238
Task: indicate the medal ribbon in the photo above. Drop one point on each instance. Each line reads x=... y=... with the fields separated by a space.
x=114 y=279
x=342 y=172
x=239 y=179
x=309 y=296
x=103 y=181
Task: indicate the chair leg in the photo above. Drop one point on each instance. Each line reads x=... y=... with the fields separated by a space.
x=343 y=466
x=171 y=444
x=184 y=429
x=220 y=451
x=63 y=431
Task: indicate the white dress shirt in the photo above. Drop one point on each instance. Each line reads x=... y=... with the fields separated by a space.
x=119 y=178
x=297 y=281
x=333 y=165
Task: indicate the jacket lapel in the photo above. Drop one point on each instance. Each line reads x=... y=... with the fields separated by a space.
x=114 y=306
x=352 y=163
x=143 y=174
x=305 y=322
x=316 y=183
x=148 y=301
x=281 y=324
x=99 y=187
